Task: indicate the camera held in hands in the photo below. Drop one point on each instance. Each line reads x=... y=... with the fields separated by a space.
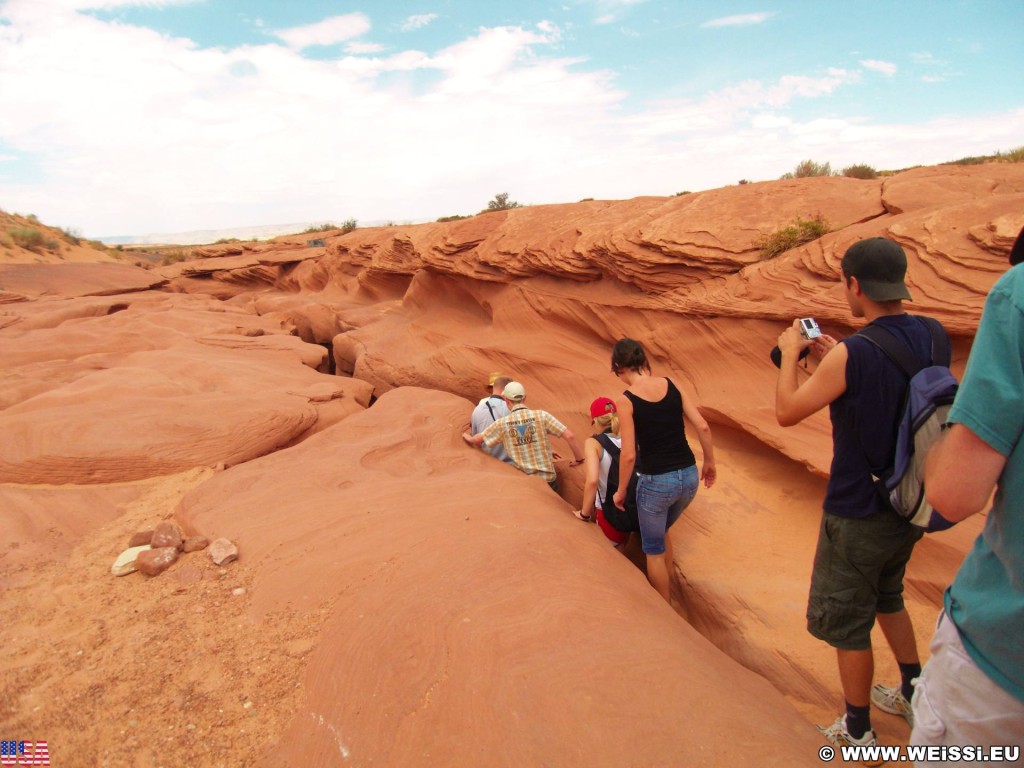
x=809 y=328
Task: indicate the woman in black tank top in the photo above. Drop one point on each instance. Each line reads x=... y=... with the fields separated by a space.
x=651 y=413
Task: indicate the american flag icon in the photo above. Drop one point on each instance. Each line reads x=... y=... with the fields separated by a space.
x=24 y=753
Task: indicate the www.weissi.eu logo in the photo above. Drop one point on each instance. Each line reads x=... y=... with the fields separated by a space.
x=24 y=753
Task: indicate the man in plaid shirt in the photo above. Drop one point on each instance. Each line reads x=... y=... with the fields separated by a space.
x=524 y=433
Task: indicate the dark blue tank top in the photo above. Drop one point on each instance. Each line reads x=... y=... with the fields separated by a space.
x=865 y=417
x=660 y=433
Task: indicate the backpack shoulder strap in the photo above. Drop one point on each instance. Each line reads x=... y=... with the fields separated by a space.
x=893 y=348
x=941 y=351
x=901 y=354
x=607 y=444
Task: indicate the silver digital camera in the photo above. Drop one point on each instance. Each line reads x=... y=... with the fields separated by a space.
x=809 y=328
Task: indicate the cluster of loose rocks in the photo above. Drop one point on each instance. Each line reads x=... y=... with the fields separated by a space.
x=154 y=551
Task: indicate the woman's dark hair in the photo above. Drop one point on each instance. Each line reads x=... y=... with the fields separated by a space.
x=628 y=354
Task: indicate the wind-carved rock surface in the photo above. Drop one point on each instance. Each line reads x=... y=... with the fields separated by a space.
x=404 y=599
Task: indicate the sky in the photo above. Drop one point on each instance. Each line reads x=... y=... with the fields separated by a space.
x=131 y=117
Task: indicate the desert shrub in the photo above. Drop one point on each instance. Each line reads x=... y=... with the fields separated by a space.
x=680 y=194
x=1012 y=156
x=26 y=237
x=741 y=182
x=71 y=236
x=225 y=240
x=860 y=171
x=174 y=256
x=320 y=228
x=972 y=160
x=807 y=168
x=456 y=217
x=804 y=231
x=348 y=226
x=587 y=200
x=501 y=203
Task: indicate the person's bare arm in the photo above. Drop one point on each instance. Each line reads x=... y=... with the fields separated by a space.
x=627 y=454
x=474 y=440
x=592 y=456
x=574 y=446
x=960 y=473
x=708 y=471
x=794 y=402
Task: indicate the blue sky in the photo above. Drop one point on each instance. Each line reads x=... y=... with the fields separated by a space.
x=124 y=117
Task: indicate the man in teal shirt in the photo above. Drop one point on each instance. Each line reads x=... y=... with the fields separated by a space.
x=972 y=690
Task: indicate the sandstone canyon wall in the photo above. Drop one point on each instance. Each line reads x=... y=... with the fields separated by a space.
x=402 y=599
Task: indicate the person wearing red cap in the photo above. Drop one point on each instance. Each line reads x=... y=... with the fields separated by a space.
x=597 y=491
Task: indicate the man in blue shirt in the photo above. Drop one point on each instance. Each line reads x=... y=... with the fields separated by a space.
x=972 y=689
x=488 y=411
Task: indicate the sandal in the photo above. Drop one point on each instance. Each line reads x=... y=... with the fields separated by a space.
x=580 y=516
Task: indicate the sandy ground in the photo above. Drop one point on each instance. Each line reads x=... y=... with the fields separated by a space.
x=146 y=671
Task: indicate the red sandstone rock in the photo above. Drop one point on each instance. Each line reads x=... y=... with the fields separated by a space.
x=195 y=543
x=153 y=562
x=223 y=551
x=141 y=537
x=345 y=508
x=166 y=535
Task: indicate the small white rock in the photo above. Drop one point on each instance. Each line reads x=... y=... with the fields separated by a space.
x=125 y=562
x=238 y=591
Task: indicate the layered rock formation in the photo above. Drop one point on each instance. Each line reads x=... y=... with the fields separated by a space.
x=401 y=599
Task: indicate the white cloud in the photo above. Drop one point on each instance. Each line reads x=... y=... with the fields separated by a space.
x=743 y=20
x=418 y=21
x=770 y=121
x=336 y=29
x=180 y=137
x=885 y=67
x=358 y=49
x=610 y=11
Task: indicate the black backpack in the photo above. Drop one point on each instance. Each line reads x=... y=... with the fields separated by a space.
x=930 y=394
x=627 y=520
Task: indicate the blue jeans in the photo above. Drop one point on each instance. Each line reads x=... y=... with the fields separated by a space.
x=660 y=500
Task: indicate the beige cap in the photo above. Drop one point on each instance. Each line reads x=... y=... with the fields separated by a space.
x=514 y=391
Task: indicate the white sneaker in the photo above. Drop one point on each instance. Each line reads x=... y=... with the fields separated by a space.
x=893 y=701
x=838 y=736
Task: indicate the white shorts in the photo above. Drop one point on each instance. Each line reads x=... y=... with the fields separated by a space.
x=955 y=703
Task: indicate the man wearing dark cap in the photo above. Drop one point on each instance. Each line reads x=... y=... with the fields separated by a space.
x=863 y=546
x=972 y=688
